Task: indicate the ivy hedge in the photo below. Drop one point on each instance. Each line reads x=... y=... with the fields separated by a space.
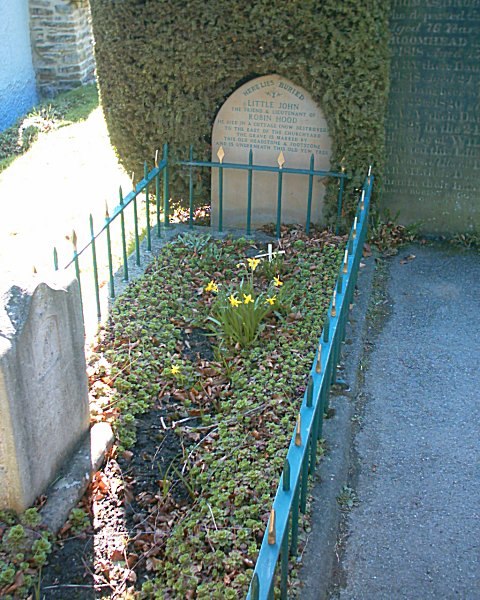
x=165 y=68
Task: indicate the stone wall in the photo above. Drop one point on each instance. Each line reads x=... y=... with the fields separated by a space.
x=433 y=122
x=17 y=77
x=62 y=44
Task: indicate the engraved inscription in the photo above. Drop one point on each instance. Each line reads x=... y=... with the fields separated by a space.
x=282 y=122
x=433 y=126
x=270 y=115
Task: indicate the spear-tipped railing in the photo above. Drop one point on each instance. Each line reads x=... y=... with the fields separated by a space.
x=281 y=537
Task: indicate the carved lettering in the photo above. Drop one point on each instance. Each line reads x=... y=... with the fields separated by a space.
x=433 y=128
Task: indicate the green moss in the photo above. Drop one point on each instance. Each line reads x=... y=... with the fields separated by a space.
x=165 y=69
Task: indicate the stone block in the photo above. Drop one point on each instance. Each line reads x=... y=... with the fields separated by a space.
x=44 y=410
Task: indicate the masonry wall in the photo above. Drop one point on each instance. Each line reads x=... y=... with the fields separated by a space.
x=62 y=44
x=17 y=76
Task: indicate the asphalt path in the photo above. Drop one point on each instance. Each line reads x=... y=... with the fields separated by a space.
x=414 y=464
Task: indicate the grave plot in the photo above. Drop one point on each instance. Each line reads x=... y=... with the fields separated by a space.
x=202 y=421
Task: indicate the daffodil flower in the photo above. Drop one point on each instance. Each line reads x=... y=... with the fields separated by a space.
x=277 y=282
x=247 y=298
x=233 y=301
x=175 y=370
x=253 y=263
x=211 y=287
x=271 y=300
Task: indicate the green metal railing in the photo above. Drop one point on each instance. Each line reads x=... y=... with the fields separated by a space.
x=152 y=180
x=311 y=172
x=281 y=538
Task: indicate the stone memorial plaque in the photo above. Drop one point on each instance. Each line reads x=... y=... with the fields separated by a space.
x=269 y=115
x=433 y=123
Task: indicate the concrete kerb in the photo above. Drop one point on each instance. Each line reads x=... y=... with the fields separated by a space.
x=70 y=486
x=332 y=474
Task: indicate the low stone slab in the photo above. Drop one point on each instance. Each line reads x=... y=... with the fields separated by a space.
x=43 y=386
x=66 y=491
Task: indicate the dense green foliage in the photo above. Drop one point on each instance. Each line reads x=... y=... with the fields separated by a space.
x=165 y=69
x=245 y=400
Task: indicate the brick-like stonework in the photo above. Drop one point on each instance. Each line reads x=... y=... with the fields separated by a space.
x=62 y=44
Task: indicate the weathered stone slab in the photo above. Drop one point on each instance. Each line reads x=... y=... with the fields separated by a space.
x=432 y=173
x=43 y=386
x=270 y=115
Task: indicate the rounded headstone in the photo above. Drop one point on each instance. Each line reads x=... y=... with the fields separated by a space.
x=269 y=115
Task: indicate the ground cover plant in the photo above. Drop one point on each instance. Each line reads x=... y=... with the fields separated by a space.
x=24 y=547
x=202 y=417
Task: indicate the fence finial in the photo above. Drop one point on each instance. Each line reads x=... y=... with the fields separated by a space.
x=334 y=304
x=362 y=200
x=345 y=262
x=107 y=214
x=156 y=158
x=354 y=232
x=318 y=364
x=298 y=432
x=272 y=534
x=74 y=240
x=281 y=159
x=221 y=154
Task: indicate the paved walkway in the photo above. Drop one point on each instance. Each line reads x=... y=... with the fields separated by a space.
x=415 y=463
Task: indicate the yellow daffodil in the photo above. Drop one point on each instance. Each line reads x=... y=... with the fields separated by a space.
x=175 y=370
x=253 y=263
x=233 y=301
x=211 y=287
x=277 y=282
x=247 y=298
x=271 y=300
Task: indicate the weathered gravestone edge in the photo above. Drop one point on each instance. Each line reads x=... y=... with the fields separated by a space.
x=44 y=411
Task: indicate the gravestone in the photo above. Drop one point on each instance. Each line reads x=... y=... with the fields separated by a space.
x=43 y=386
x=433 y=122
x=270 y=115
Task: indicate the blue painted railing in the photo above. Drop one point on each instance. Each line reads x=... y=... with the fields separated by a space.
x=156 y=181
x=251 y=167
x=281 y=538
x=151 y=178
